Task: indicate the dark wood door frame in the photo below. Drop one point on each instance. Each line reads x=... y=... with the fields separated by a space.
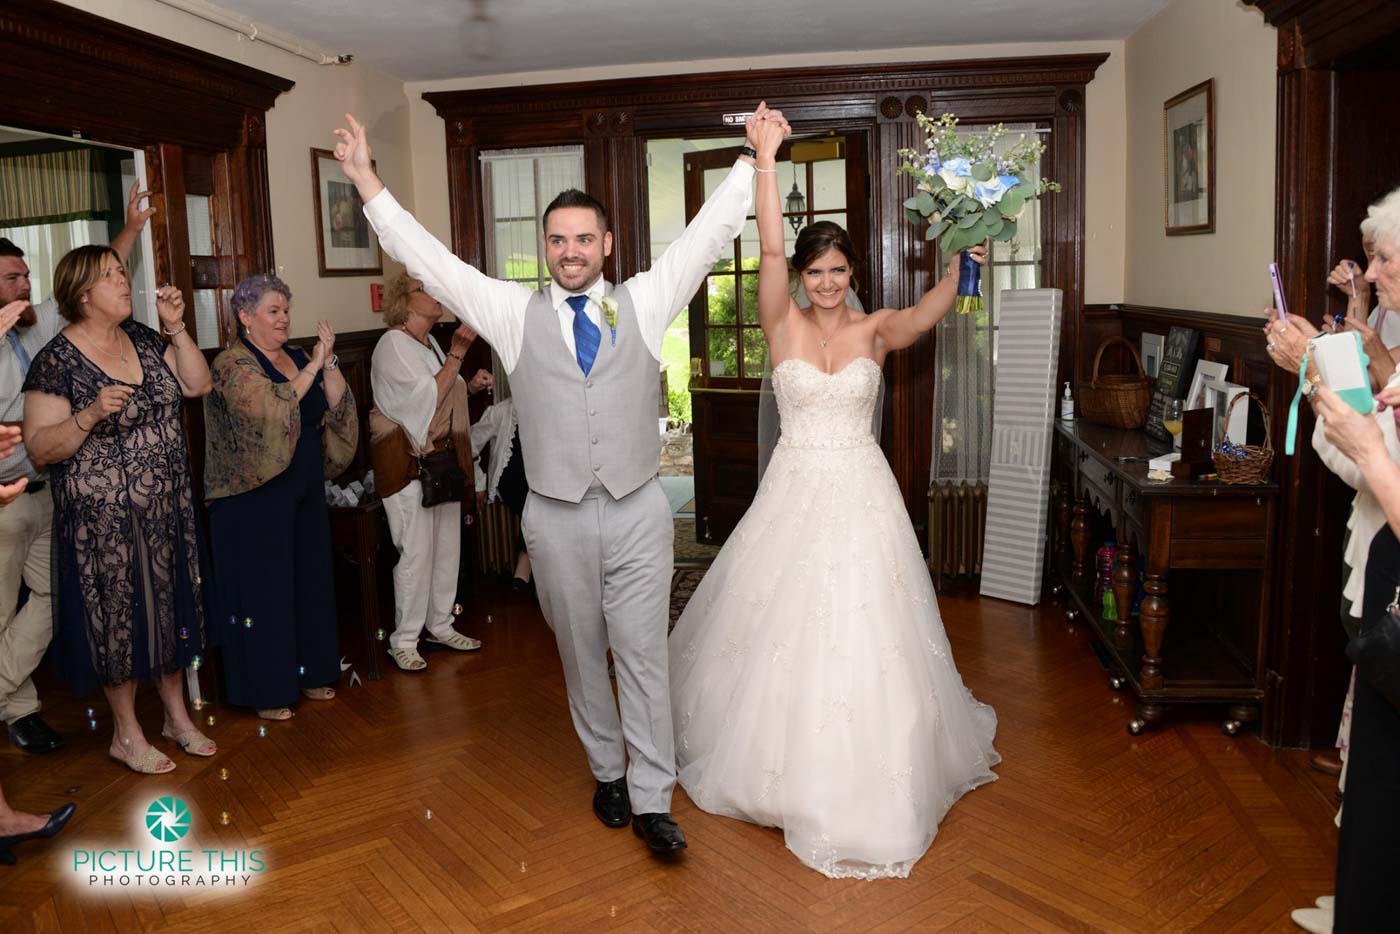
x=612 y=120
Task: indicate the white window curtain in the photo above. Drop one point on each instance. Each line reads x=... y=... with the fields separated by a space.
x=965 y=353
x=517 y=186
x=45 y=244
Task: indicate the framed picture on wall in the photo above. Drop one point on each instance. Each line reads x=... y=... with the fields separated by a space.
x=345 y=242
x=1188 y=129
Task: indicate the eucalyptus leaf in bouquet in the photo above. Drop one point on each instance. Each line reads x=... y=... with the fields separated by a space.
x=967 y=192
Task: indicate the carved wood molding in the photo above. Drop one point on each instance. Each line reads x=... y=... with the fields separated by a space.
x=67 y=33
x=631 y=94
x=54 y=58
x=1315 y=33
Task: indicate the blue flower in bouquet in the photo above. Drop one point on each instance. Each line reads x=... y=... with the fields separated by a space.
x=956 y=173
x=990 y=192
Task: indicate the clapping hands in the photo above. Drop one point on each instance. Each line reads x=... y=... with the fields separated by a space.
x=325 y=344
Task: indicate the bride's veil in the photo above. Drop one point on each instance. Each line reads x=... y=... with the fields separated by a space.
x=770 y=428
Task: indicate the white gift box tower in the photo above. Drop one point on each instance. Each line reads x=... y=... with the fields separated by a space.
x=1023 y=414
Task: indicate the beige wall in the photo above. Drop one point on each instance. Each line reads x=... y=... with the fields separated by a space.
x=1104 y=104
x=1225 y=272
x=302 y=118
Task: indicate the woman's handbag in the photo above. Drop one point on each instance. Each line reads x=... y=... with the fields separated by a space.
x=442 y=478
x=1376 y=652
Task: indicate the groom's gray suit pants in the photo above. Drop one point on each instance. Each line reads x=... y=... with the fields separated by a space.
x=603 y=573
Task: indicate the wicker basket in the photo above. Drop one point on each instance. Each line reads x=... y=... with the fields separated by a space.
x=1247 y=463
x=1120 y=401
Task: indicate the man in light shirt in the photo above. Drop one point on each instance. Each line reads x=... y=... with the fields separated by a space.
x=26 y=524
x=583 y=357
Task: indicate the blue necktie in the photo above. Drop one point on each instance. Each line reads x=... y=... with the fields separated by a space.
x=587 y=337
x=24 y=354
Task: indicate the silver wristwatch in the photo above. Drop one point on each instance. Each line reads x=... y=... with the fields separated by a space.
x=333 y=363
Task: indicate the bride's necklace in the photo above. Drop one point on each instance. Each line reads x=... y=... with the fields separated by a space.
x=839 y=324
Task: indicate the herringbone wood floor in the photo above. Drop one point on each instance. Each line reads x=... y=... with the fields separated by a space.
x=1088 y=829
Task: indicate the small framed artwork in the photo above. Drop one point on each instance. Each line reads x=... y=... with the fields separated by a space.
x=1208 y=373
x=1152 y=347
x=345 y=243
x=1188 y=127
x=1219 y=395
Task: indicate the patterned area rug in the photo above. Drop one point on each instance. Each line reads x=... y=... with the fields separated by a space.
x=683 y=584
x=688 y=550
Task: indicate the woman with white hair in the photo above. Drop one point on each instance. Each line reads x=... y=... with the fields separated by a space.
x=1369 y=844
x=420 y=424
x=278 y=424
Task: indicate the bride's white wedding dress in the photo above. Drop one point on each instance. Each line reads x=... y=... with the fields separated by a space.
x=812 y=684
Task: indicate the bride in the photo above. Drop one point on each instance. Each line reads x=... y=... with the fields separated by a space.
x=812 y=683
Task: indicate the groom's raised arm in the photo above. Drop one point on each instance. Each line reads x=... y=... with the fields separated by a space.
x=494 y=309
x=662 y=291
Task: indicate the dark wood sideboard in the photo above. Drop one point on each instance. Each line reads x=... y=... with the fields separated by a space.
x=1206 y=557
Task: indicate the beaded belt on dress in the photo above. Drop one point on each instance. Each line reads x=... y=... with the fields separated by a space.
x=827 y=445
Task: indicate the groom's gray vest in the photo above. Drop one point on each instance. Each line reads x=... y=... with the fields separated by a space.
x=575 y=428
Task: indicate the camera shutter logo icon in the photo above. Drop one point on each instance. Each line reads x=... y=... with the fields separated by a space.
x=168 y=819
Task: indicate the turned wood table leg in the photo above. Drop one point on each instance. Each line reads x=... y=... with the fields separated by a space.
x=1079 y=535
x=1124 y=589
x=1154 y=614
x=1064 y=512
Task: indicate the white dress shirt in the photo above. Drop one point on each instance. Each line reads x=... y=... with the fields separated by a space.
x=33 y=338
x=496 y=309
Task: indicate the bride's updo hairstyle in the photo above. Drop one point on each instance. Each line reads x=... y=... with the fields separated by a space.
x=813 y=242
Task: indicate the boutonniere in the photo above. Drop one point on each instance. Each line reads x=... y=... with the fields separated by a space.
x=610 y=316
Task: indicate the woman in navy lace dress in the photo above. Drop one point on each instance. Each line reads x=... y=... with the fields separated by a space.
x=102 y=408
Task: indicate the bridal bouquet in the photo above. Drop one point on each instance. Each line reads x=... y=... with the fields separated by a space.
x=968 y=192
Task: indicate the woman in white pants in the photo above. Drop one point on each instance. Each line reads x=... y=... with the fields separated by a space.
x=420 y=409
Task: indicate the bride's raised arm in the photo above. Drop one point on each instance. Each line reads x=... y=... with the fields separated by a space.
x=898 y=328
x=774 y=300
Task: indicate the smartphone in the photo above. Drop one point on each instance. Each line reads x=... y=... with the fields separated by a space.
x=1278 y=293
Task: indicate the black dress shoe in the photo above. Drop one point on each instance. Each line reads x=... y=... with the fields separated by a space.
x=661 y=833
x=519 y=585
x=32 y=734
x=55 y=823
x=611 y=804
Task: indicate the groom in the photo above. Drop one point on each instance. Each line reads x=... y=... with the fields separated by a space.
x=583 y=357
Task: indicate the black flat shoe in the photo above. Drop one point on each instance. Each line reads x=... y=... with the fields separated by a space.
x=519 y=585
x=661 y=833
x=55 y=823
x=32 y=734
x=611 y=804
